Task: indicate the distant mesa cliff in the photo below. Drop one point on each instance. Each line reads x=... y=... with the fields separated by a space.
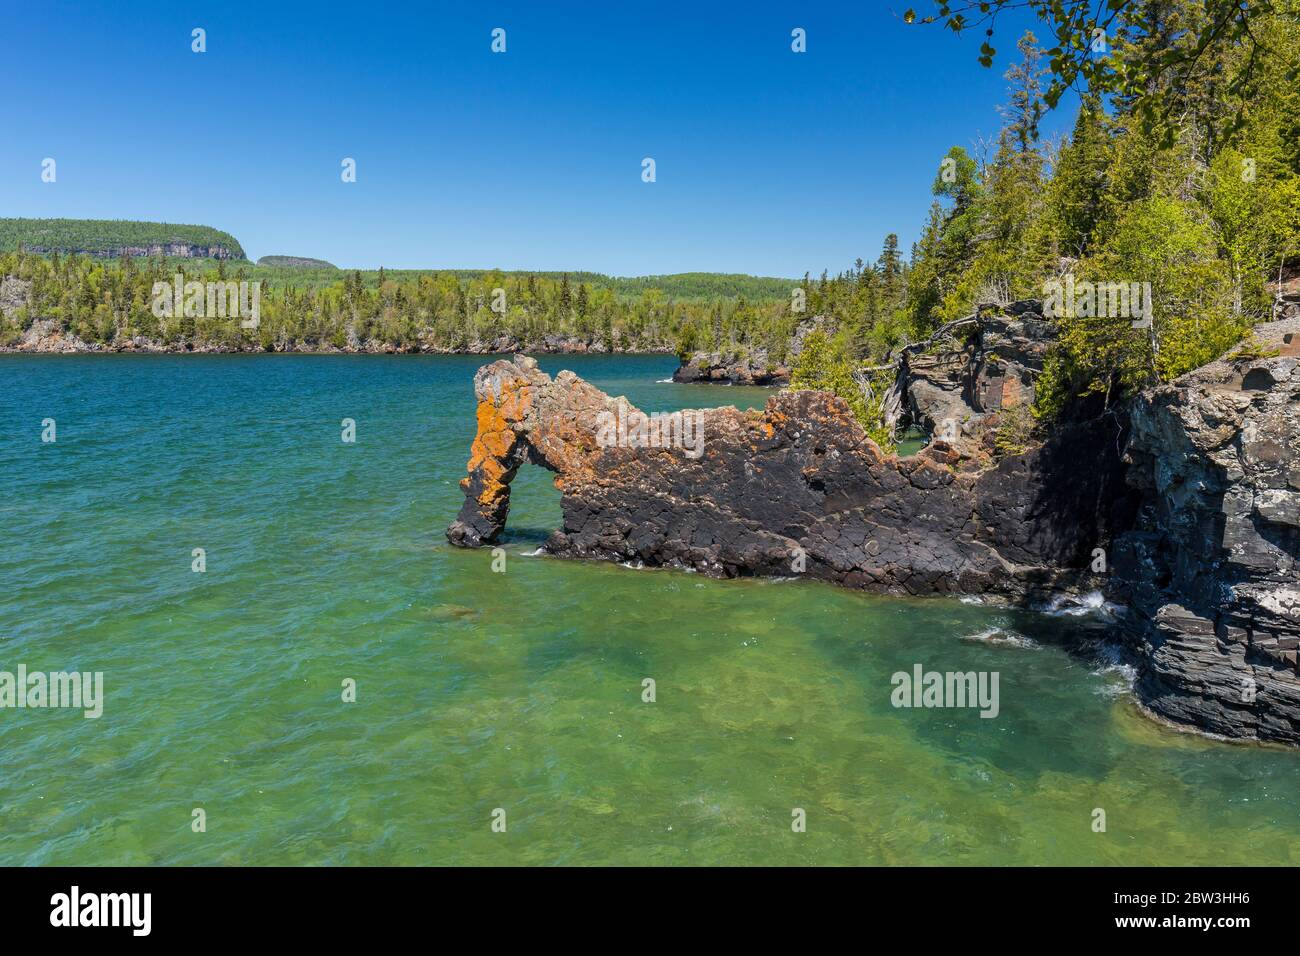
x=295 y=262
x=1190 y=494
x=113 y=238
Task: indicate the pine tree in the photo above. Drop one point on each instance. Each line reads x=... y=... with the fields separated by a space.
x=1076 y=199
x=1025 y=110
x=566 y=301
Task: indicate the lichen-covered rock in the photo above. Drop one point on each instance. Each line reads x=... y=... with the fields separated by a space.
x=1213 y=564
x=795 y=489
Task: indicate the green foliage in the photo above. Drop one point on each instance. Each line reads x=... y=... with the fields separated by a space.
x=1253 y=349
x=1014 y=431
x=696 y=286
x=985 y=240
x=686 y=342
x=825 y=364
x=1077 y=193
x=866 y=304
x=1138 y=51
x=1203 y=206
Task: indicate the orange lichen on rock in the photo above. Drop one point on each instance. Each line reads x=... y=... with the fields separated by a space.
x=801 y=476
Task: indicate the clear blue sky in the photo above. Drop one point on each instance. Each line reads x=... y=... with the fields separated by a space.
x=768 y=162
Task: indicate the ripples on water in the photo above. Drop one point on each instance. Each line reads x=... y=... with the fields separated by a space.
x=519 y=690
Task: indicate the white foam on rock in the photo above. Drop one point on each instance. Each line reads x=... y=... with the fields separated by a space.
x=1003 y=637
x=1093 y=604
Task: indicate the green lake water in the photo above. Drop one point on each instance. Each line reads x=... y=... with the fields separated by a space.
x=519 y=690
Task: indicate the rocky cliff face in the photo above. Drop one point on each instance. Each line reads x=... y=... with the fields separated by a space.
x=177 y=250
x=1198 y=509
x=1212 y=565
x=15 y=294
x=46 y=335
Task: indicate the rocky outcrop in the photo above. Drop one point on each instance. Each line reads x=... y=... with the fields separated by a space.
x=1212 y=565
x=972 y=378
x=114 y=238
x=795 y=489
x=723 y=368
x=749 y=366
x=46 y=335
x=15 y=294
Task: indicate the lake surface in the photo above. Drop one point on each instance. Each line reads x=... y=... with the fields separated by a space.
x=520 y=690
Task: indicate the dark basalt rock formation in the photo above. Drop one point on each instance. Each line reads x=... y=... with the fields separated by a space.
x=720 y=368
x=1212 y=565
x=797 y=488
x=1198 y=509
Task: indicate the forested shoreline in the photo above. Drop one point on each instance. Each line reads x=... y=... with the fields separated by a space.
x=108 y=305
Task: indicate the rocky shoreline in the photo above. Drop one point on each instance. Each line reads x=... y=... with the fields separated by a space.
x=1184 y=506
x=47 y=337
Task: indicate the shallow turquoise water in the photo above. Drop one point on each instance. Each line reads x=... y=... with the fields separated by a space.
x=519 y=690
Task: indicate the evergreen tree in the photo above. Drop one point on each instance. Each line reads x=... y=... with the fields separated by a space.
x=1076 y=198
